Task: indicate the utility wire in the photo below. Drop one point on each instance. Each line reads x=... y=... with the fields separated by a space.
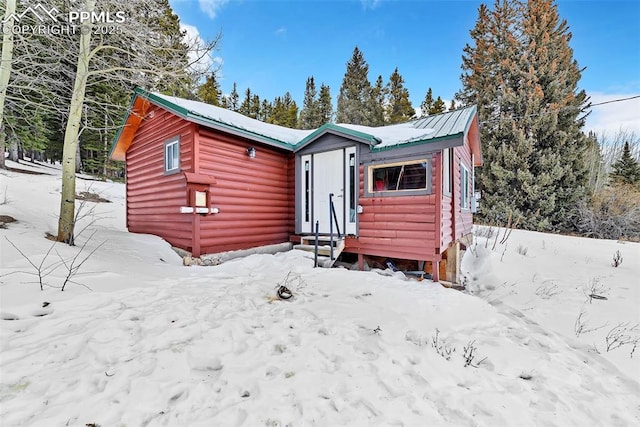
x=571 y=107
x=615 y=100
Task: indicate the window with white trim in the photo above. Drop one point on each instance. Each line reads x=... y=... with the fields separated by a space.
x=465 y=187
x=399 y=177
x=172 y=155
x=447 y=176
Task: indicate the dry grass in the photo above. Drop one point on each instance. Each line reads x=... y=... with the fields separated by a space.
x=91 y=197
x=6 y=219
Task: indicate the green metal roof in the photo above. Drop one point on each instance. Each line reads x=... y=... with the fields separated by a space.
x=449 y=123
x=429 y=129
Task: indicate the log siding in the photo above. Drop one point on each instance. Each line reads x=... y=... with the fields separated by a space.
x=252 y=194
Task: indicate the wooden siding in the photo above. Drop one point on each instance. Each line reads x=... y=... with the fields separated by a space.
x=153 y=198
x=255 y=196
x=291 y=183
x=463 y=217
x=446 y=231
x=396 y=227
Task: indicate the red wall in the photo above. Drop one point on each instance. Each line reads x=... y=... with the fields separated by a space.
x=396 y=227
x=255 y=196
x=153 y=198
x=463 y=217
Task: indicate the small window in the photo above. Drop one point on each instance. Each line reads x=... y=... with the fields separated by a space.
x=398 y=177
x=307 y=191
x=352 y=187
x=465 y=187
x=172 y=155
x=447 y=176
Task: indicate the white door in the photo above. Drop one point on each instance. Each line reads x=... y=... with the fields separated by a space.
x=328 y=178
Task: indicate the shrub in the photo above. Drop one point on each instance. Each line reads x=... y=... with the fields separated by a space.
x=614 y=213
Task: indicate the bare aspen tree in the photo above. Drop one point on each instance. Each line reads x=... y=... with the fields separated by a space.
x=72 y=132
x=90 y=69
x=5 y=70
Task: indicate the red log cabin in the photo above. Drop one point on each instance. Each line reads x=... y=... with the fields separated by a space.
x=209 y=180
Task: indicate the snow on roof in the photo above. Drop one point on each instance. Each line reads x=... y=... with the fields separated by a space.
x=384 y=137
x=237 y=120
x=392 y=135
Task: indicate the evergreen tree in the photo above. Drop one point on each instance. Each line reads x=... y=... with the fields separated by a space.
x=169 y=28
x=378 y=100
x=427 y=104
x=627 y=169
x=438 y=106
x=353 y=100
x=398 y=107
x=325 y=107
x=210 y=92
x=254 y=107
x=284 y=112
x=452 y=106
x=245 y=106
x=265 y=110
x=233 y=101
x=521 y=73
x=309 y=115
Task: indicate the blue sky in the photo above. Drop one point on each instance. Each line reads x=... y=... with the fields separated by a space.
x=272 y=46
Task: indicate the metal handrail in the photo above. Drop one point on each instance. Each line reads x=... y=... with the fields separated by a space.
x=315 y=252
x=333 y=217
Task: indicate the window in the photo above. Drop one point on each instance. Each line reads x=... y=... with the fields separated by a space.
x=352 y=187
x=399 y=177
x=172 y=155
x=307 y=191
x=465 y=187
x=447 y=177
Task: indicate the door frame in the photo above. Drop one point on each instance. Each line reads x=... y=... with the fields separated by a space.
x=305 y=215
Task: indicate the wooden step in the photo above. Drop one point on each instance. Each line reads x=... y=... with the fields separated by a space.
x=324 y=248
x=322 y=241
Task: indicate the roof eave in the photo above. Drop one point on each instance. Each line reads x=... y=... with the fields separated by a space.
x=122 y=138
x=458 y=135
x=195 y=117
x=331 y=128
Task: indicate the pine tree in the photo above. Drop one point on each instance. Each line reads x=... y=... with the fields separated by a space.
x=353 y=100
x=210 y=92
x=284 y=111
x=309 y=115
x=265 y=110
x=254 y=107
x=427 y=104
x=452 y=106
x=552 y=76
x=378 y=101
x=245 y=106
x=398 y=107
x=234 y=99
x=325 y=107
x=438 y=106
x=521 y=74
x=627 y=169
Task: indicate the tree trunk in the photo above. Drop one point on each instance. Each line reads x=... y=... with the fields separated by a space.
x=66 y=222
x=78 y=158
x=13 y=151
x=106 y=147
x=5 y=70
x=2 y=148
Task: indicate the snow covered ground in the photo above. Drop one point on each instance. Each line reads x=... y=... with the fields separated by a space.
x=142 y=340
